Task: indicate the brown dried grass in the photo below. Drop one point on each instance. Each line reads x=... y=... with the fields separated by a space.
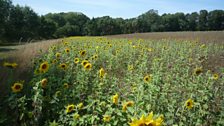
x=22 y=55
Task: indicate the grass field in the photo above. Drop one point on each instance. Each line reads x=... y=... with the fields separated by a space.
x=116 y=80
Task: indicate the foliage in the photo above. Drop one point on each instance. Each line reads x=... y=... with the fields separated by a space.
x=19 y=23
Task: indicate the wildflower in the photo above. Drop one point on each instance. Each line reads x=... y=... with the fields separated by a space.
x=44 y=83
x=70 y=108
x=17 y=87
x=147 y=121
x=67 y=50
x=102 y=72
x=80 y=105
x=76 y=60
x=189 y=103
x=58 y=55
x=106 y=118
x=88 y=66
x=66 y=85
x=95 y=57
x=76 y=116
x=83 y=53
x=130 y=67
x=115 y=99
x=126 y=105
x=54 y=61
x=63 y=66
x=44 y=67
x=84 y=62
x=197 y=71
x=215 y=76
x=147 y=78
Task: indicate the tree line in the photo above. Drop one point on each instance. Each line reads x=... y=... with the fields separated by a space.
x=21 y=23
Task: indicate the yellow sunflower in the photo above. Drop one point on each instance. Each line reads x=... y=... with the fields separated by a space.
x=66 y=85
x=84 y=62
x=83 y=53
x=215 y=76
x=17 y=87
x=189 y=103
x=130 y=67
x=44 y=83
x=102 y=72
x=106 y=118
x=76 y=116
x=198 y=71
x=115 y=99
x=63 y=66
x=88 y=66
x=80 y=105
x=44 y=67
x=58 y=55
x=126 y=105
x=67 y=50
x=147 y=78
x=70 y=108
x=76 y=60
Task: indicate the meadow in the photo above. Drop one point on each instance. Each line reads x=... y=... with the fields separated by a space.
x=116 y=81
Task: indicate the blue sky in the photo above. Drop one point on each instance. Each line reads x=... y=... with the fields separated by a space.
x=119 y=8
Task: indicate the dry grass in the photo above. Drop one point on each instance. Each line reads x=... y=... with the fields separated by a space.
x=22 y=55
x=207 y=36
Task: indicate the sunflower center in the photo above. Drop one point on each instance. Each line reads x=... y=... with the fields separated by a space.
x=44 y=66
x=63 y=66
x=17 y=87
x=70 y=108
x=188 y=103
x=88 y=66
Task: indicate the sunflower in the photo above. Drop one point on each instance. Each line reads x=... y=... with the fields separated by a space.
x=147 y=121
x=70 y=108
x=126 y=105
x=130 y=67
x=67 y=50
x=102 y=72
x=54 y=61
x=198 y=71
x=84 y=62
x=80 y=105
x=83 y=53
x=17 y=87
x=88 y=66
x=65 y=43
x=115 y=99
x=44 y=83
x=76 y=60
x=95 y=57
x=147 y=78
x=63 y=66
x=76 y=116
x=66 y=85
x=44 y=67
x=215 y=76
x=106 y=118
x=189 y=103
x=58 y=55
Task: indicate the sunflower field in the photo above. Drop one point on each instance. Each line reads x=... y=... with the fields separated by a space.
x=121 y=82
